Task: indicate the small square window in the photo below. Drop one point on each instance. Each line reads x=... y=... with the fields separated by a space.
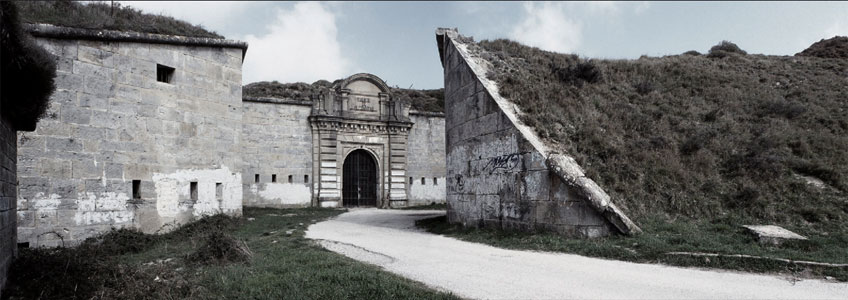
x=273 y=177
x=305 y=178
x=193 y=190
x=410 y=180
x=136 y=189
x=256 y=178
x=422 y=180
x=219 y=190
x=435 y=181
x=290 y=179
x=164 y=73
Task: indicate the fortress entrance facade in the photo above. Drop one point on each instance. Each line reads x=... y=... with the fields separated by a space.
x=360 y=134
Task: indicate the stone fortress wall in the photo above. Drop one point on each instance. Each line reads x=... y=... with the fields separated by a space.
x=500 y=173
x=149 y=132
x=143 y=131
x=426 y=160
x=277 y=153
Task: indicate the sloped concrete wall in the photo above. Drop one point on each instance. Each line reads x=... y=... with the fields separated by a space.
x=426 y=159
x=277 y=140
x=497 y=175
x=8 y=189
x=111 y=122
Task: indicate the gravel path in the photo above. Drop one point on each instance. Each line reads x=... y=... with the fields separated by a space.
x=389 y=239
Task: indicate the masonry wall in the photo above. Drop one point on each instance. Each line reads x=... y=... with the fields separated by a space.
x=496 y=177
x=111 y=122
x=426 y=159
x=8 y=189
x=277 y=140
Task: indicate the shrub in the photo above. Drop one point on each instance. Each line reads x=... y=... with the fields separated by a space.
x=692 y=53
x=27 y=71
x=725 y=48
x=584 y=71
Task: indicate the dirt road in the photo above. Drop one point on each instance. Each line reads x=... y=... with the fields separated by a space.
x=389 y=239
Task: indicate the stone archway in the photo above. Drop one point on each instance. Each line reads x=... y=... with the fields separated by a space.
x=359 y=179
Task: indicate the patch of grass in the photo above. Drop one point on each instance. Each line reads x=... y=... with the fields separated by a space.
x=110 y=16
x=431 y=206
x=662 y=237
x=692 y=137
x=195 y=262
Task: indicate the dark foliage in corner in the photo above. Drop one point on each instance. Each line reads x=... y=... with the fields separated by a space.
x=687 y=136
x=422 y=100
x=835 y=47
x=724 y=49
x=692 y=52
x=109 y=16
x=27 y=72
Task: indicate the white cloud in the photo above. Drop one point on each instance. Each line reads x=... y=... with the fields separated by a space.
x=601 y=7
x=301 y=45
x=545 y=25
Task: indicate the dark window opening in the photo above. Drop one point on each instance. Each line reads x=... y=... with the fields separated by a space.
x=23 y=245
x=164 y=73
x=219 y=190
x=410 y=180
x=290 y=179
x=256 y=178
x=422 y=180
x=136 y=189
x=305 y=178
x=193 y=190
x=435 y=181
x=273 y=177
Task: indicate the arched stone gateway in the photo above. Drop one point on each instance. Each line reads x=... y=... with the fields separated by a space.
x=358 y=118
x=359 y=179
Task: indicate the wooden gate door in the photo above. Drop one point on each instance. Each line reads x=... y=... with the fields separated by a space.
x=360 y=180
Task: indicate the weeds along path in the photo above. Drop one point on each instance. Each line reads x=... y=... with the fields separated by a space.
x=389 y=239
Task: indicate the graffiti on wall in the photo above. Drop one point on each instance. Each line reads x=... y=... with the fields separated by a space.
x=506 y=162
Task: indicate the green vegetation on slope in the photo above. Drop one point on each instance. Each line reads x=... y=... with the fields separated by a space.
x=728 y=137
x=109 y=16
x=421 y=100
x=662 y=237
x=261 y=256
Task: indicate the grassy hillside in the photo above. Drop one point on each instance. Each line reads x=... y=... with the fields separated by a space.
x=422 y=100
x=104 y=15
x=724 y=136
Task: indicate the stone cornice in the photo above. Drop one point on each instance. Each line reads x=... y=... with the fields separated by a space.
x=60 y=32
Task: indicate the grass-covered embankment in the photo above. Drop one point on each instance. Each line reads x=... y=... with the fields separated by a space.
x=279 y=264
x=726 y=137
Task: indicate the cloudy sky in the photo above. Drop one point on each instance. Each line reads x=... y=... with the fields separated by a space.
x=307 y=41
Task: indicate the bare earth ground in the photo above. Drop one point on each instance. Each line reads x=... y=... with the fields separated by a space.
x=389 y=239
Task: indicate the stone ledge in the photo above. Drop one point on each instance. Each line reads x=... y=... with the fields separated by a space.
x=277 y=101
x=426 y=113
x=60 y=32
